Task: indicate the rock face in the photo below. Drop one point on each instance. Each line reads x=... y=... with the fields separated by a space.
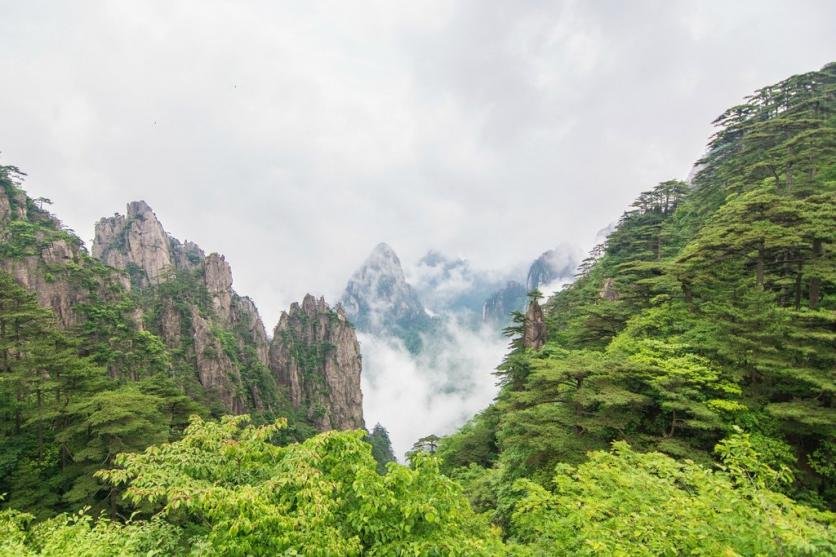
x=608 y=290
x=43 y=264
x=498 y=308
x=534 y=331
x=217 y=276
x=378 y=299
x=136 y=243
x=315 y=354
x=216 y=372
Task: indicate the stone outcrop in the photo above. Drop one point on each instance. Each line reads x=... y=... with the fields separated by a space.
x=59 y=295
x=217 y=373
x=608 y=290
x=136 y=243
x=315 y=354
x=217 y=277
x=534 y=331
x=245 y=315
x=44 y=264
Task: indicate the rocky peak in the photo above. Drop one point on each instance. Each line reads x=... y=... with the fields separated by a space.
x=217 y=276
x=379 y=299
x=315 y=355
x=136 y=243
x=608 y=290
x=55 y=251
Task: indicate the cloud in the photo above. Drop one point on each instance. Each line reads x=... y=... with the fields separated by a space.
x=432 y=393
x=293 y=136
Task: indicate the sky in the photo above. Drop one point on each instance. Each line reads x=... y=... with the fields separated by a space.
x=294 y=136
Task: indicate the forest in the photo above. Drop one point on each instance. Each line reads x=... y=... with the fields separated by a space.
x=681 y=404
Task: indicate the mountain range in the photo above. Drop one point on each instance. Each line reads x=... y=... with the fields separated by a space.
x=382 y=298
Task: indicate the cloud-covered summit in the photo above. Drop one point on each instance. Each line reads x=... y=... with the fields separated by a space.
x=379 y=300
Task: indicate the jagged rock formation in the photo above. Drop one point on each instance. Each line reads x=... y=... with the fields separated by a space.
x=200 y=313
x=534 y=330
x=41 y=256
x=315 y=354
x=135 y=242
x=214 y=346
x=378 y=299
x=498 y=308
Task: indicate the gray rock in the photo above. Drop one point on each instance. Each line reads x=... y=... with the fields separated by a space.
x=534 y=331
x=608 y=290
x=315 y=354
x=136 y=243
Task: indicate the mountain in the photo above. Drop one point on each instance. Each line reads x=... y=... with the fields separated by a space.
x=551 y=270
x=700 y=333
x=378 y=299
x=675 y=399
x=190 y=303
x=114 y=352
x=315 y=354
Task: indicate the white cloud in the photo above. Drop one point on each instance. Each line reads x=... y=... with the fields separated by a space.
x=433 y=393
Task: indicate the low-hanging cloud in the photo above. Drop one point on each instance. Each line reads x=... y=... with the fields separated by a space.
x=433 y=392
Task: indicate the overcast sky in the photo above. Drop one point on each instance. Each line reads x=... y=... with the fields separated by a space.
x=294 y=136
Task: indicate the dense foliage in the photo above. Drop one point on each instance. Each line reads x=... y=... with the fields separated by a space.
x=226 y=489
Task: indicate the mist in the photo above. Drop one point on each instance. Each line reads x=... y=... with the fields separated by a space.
x=434 y=392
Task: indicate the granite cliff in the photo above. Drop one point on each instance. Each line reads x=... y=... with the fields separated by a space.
x=315 y=355
x=188 y=299
x=147 y=303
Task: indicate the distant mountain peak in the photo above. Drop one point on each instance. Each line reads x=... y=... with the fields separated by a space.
x=378 y=298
